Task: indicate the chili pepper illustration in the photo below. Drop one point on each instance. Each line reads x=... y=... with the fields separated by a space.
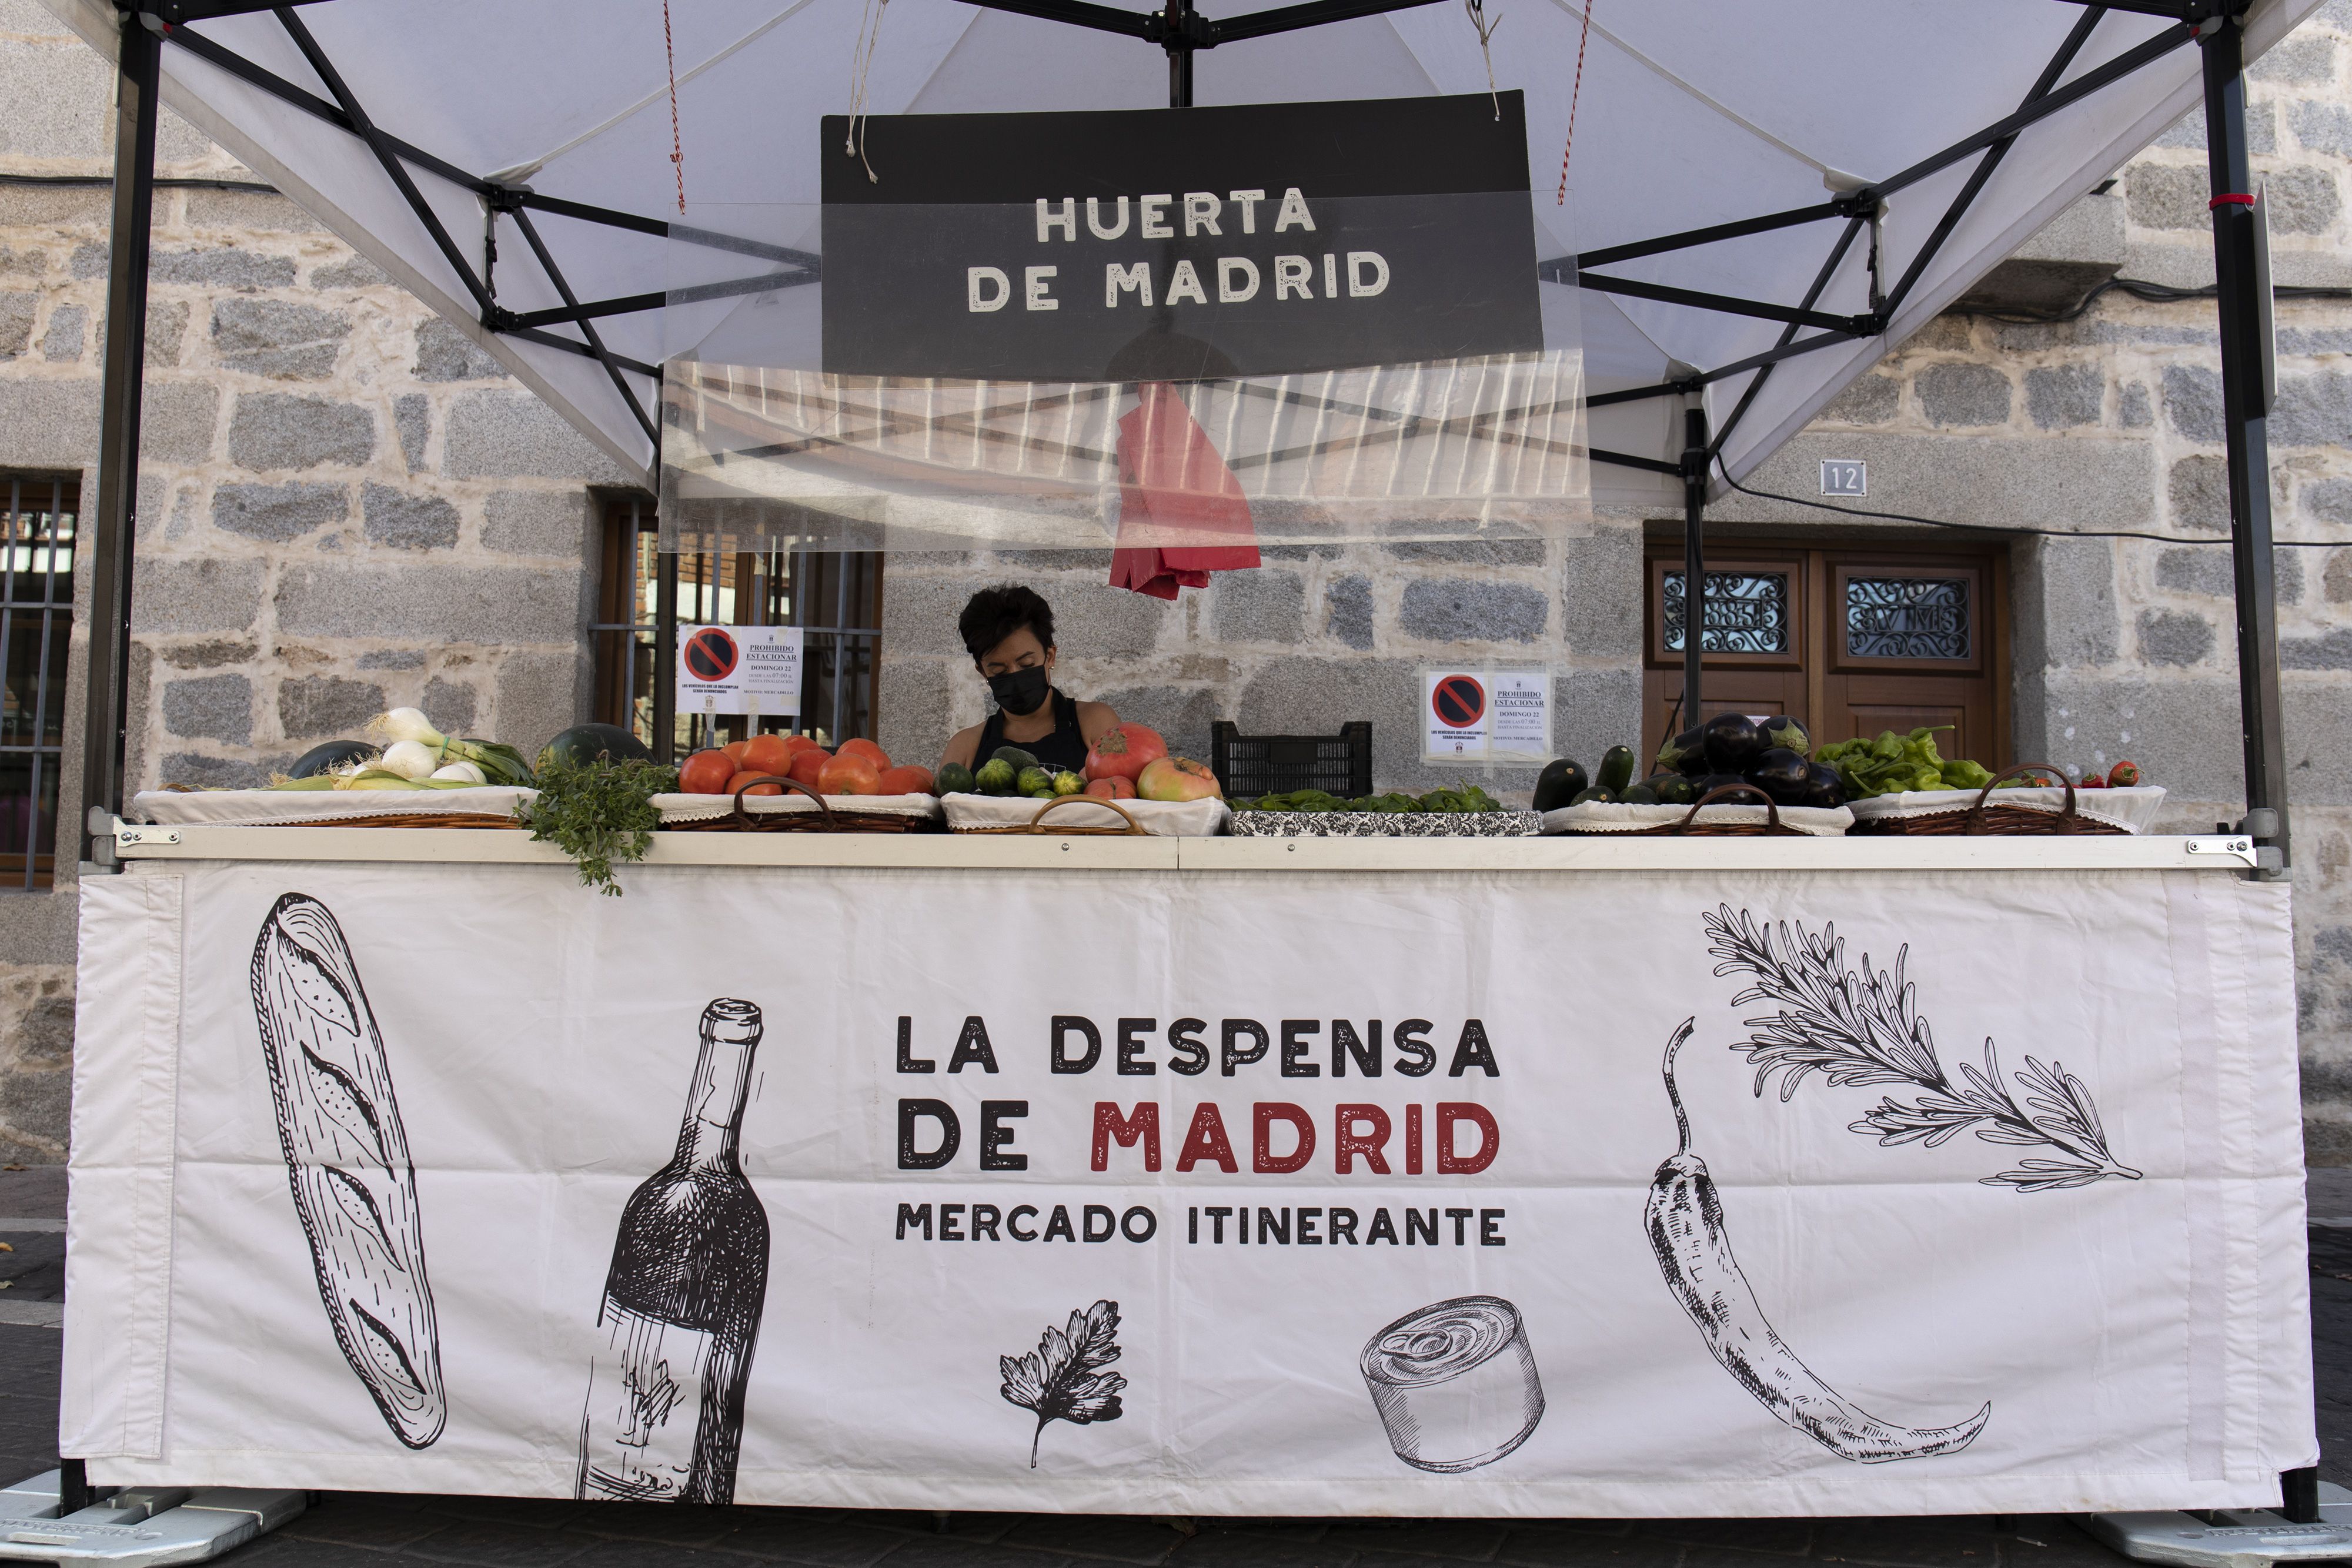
x=1685 y=1216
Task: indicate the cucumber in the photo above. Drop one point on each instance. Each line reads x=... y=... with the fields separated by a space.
x=1616 y=770
x=1561 y=781
x=1019 y=759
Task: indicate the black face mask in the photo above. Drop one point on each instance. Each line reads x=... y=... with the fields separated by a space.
x=1020 y=692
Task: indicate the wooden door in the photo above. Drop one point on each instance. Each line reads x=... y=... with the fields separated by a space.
x=1846 y=640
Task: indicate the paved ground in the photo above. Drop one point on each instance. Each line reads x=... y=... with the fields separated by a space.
x=354 y=1529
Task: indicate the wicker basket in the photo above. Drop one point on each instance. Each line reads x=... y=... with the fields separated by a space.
x=1989 y=820
x=827 y=818
x=1035 y=823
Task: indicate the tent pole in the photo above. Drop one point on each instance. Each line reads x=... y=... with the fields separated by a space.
x=1180 y=54
x=665 y=746
x=2243 y=409
x=110 y=543
x=1694 y=557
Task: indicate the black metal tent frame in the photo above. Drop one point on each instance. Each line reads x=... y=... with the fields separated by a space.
x=2216 y=26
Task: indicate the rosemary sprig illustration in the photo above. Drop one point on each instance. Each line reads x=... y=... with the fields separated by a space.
x=1863 y=1027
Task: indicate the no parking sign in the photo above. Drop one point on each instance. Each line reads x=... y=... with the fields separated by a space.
x=1486 y=715
x=738 y=669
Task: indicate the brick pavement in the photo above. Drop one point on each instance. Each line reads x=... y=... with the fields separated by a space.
x=364 y=1530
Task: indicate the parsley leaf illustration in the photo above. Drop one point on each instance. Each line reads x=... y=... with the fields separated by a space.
x=1062 y=1379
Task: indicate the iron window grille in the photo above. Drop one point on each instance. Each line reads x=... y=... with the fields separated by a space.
x=834 y=597
x=1746 y=612
x=36 y=628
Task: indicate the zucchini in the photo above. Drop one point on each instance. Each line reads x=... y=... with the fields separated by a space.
x=1561 y=781
x=1015 y=755
x=1616 y=770
x=1596 y=796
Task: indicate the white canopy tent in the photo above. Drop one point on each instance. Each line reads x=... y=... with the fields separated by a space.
x=1757 y=199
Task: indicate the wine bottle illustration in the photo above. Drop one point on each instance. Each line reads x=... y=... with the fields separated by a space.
x=664 y=1421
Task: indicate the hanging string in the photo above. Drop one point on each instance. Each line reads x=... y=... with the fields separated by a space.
x=1574 y=93
x=677 y=146
x=869 y=34
x=1478 y=9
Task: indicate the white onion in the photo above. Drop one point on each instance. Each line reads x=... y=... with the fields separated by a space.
x=410 y=758
x=409 y=723
x=470 y=772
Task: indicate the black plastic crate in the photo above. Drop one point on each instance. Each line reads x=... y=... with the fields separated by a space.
x=1248 y=766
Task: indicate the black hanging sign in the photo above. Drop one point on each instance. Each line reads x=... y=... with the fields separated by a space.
x=1179 y=244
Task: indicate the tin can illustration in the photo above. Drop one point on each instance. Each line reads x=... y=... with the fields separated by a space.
x=1454 y=1383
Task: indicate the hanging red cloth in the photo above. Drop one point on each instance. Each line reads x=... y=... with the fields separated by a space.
x=1181 y=512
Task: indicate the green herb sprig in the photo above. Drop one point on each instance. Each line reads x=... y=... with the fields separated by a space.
x=598 y=812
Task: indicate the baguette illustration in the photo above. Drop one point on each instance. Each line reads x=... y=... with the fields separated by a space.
x=347 y=1161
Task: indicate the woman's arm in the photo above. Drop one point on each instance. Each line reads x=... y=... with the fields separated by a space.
x=1096 y=720
x=963 y=748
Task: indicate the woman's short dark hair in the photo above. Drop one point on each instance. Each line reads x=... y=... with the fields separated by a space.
x=995 y=614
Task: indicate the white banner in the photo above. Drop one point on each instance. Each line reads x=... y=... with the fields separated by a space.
x=1519 y=1194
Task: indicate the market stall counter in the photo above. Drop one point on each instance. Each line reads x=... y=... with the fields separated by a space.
x=1597 y=1176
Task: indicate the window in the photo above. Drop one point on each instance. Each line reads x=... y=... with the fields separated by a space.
x=36 y=625
x=835 y=597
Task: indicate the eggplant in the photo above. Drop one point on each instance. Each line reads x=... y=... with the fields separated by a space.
x=1780 y=773
x=1731 y=742
x=1561 y=781
x=1706 y=784
x=1682 y=754
x=1782 y=730
x=1823 y=788
x=333 y=755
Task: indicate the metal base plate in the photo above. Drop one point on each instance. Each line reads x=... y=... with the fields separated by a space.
x=2231 y=1538
x=137 y=1527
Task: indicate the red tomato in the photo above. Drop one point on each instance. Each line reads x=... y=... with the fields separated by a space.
x=806 y=763
x=767 y=754
x=706 y=773
x=800 y=743
x=735 y=749
x=850 y=774
x=740 y=779
x=907 y=780
x=1111 y=788
x=868 y=750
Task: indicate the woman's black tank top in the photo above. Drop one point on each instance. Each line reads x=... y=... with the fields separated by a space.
x=1065 y=748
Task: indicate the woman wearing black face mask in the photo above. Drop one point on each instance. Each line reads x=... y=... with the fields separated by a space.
x=1009 y=632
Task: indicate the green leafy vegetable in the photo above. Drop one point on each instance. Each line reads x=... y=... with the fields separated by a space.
x=1462 y=798
x=1888 y=765
x=1062 y=1379
x=598 y=812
